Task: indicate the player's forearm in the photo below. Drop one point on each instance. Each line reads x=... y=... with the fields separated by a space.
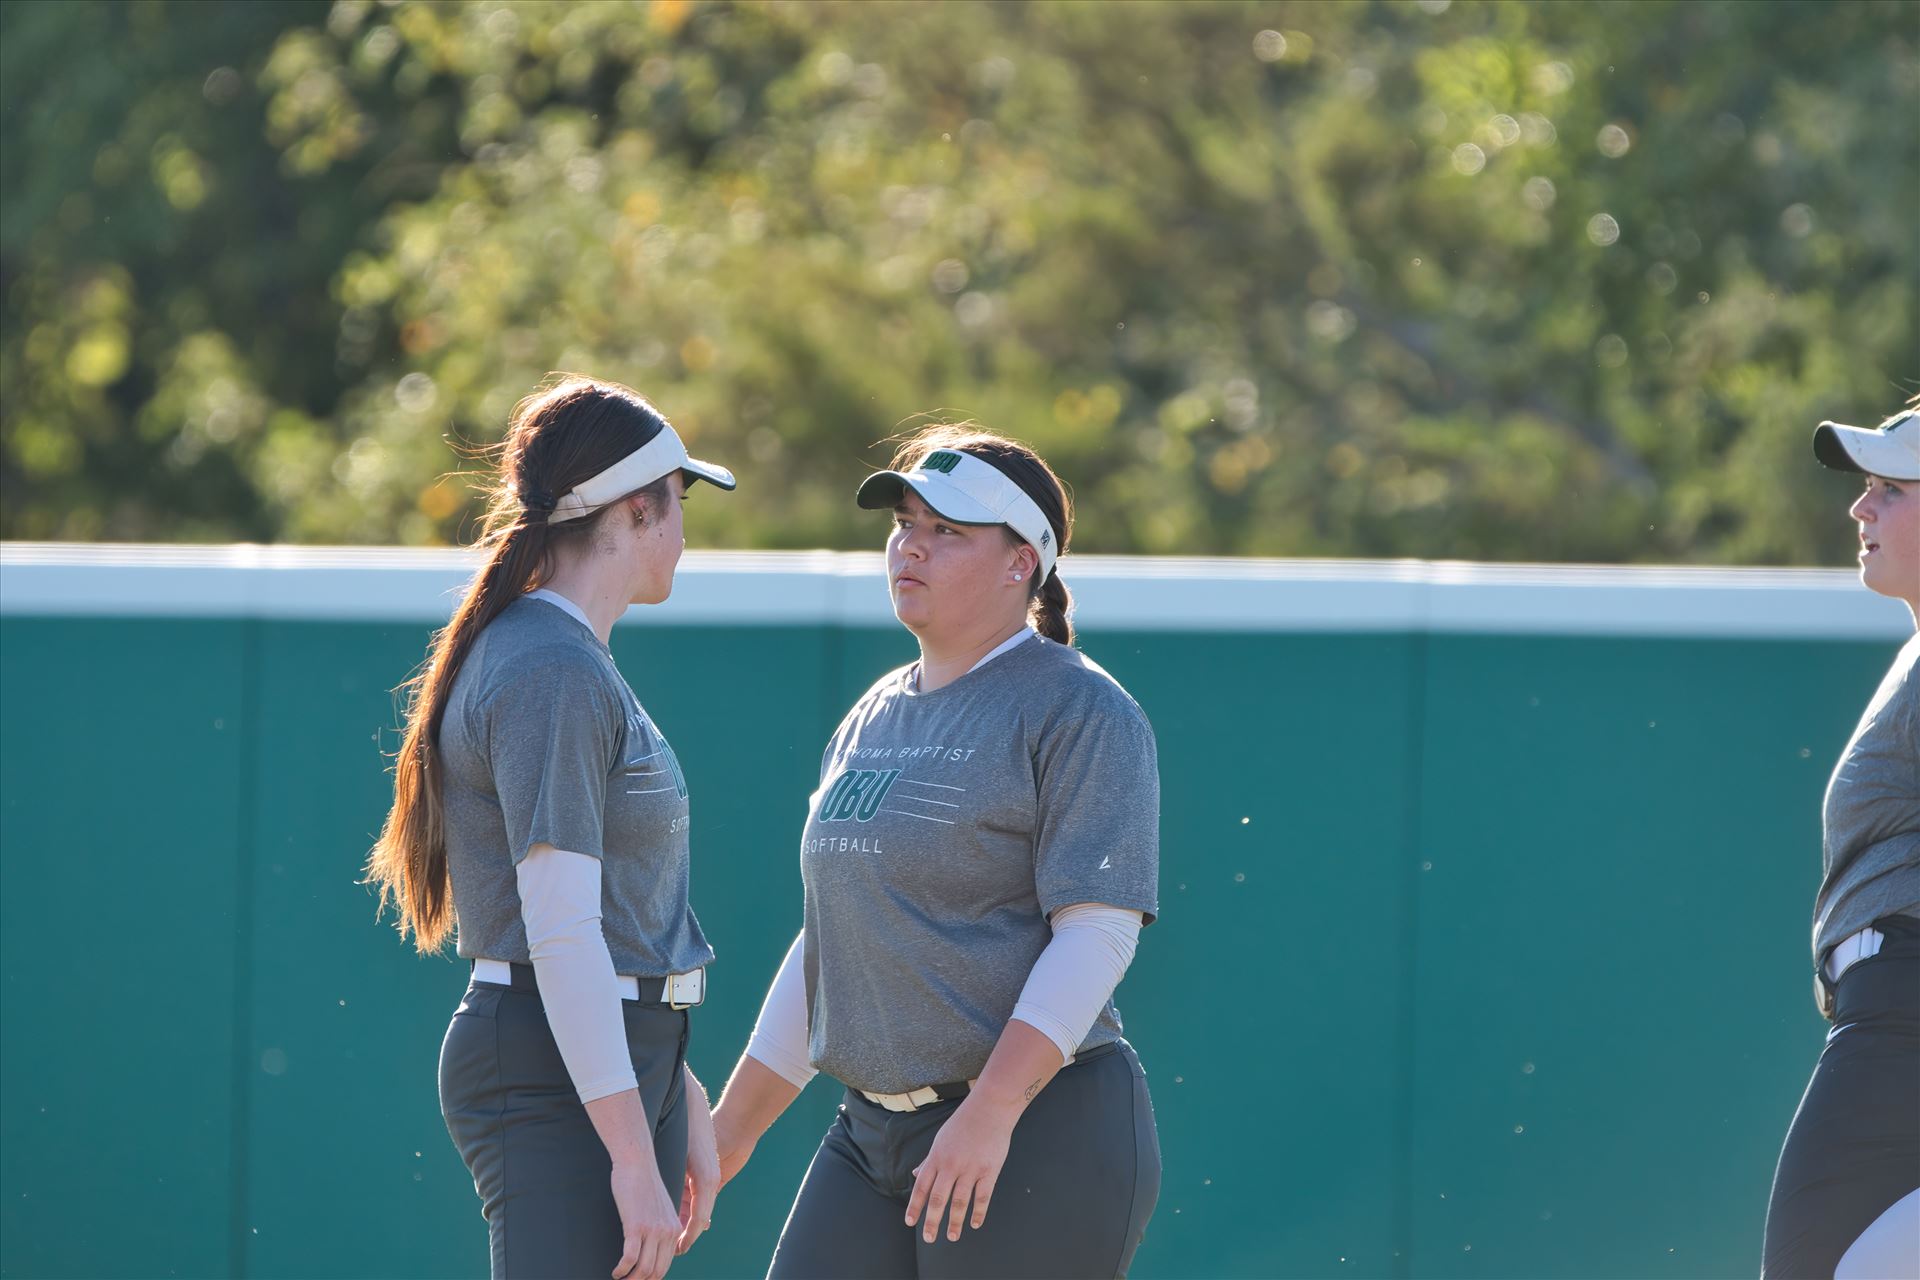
x=693 y=1081
x=621 y=1121
x=753 y=1099
x=1023 y=1062
x=774 y=1068
x=755 y=1096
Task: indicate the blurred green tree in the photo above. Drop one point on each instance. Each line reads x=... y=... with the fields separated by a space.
x=1449 y=280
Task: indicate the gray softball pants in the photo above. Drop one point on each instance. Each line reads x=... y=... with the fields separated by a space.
x=542 y=1174
x=1073 y=1199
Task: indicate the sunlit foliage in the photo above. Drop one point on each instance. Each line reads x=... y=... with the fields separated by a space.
x=1541 y=282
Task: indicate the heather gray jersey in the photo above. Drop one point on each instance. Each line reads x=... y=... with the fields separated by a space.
x=946 y=827
x=1870 y=826
x=544 y=743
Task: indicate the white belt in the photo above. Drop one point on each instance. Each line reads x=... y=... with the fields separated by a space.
x=925 y=1096
x=1852 y=950
x=682 y=990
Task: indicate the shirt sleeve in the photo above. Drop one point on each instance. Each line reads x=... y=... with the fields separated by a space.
x=1075 y=976
x=779 y=1040
x=560 y=904
x=554 y=734
x=1097 y=774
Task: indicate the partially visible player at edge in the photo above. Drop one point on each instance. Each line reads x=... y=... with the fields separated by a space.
x=536 y=802
x=1846 y=1194
x=978 y=860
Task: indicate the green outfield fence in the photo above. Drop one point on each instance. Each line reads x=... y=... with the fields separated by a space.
x=1485 y=893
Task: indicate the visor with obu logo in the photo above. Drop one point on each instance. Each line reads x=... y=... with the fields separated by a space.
x=966 y=490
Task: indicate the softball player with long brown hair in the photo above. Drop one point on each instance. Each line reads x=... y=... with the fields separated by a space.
x=537 y=803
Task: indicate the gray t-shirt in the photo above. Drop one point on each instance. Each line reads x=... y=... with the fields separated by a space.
x=1870 y=826
x=947 y=826
x=544 y=743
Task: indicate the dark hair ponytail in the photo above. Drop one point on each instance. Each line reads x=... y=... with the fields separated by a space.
x=1049 y=603
x=566 y=433
x=1050 y=611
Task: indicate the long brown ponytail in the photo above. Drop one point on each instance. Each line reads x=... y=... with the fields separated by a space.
x=1049 y=603
x=563 y=434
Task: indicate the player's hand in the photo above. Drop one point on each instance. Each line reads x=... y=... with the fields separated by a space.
x=649 y=1227
x=703 y=1169
x=733 y=1145
x=959 y=1172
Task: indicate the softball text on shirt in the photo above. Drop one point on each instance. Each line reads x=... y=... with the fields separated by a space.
x=945 y=828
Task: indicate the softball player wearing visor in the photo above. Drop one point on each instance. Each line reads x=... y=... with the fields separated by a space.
x=537 y=802
x=1846 y=1193
x=978 y=860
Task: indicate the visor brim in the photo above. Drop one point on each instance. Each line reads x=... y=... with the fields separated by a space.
x=714 y=474
x=1875 y=453
x=883 y=490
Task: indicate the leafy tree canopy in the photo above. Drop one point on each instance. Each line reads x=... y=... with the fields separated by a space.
x=1473 y=280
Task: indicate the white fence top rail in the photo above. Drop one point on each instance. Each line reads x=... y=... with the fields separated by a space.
x=390 y=584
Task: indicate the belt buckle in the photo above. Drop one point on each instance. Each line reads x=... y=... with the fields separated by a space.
x=904 y=1103
x=692 y=985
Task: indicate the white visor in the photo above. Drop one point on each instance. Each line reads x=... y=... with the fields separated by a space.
x=662 y=455
x=1891 y=450
x=966 y=490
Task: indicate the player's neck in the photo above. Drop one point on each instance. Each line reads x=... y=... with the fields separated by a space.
x=944 y=659
x=599 y=595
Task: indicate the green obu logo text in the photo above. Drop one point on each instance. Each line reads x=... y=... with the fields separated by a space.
x=857 y=794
